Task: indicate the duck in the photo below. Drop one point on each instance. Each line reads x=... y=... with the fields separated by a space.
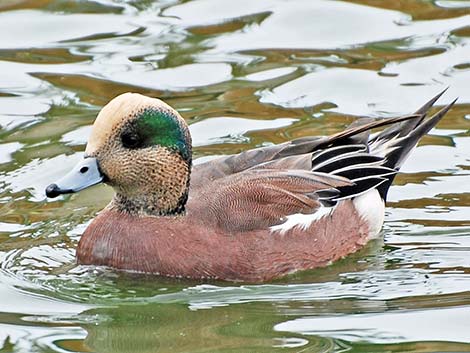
x=255 y=216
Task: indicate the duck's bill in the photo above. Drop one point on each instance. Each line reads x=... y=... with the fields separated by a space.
x=85 y=174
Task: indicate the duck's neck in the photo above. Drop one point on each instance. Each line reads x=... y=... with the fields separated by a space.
x=150 y=205
x=163 y=197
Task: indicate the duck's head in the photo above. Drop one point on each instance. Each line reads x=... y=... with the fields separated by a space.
x=142 y=148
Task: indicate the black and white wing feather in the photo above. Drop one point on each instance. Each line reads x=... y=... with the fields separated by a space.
x=373 y=163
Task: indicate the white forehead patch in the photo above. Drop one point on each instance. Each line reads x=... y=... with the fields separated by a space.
x=116 y=113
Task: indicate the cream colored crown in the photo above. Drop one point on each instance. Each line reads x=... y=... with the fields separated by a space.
x=116 y=113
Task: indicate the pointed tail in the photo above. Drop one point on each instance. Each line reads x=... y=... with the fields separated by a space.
x=397 y=141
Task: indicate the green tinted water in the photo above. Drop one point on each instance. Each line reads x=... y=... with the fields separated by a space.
x=243 y=73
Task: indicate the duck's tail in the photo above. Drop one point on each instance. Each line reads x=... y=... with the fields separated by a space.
x=395 y=143
x=372 y=163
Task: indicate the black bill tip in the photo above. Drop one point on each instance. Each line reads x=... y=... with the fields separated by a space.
x=54 y=190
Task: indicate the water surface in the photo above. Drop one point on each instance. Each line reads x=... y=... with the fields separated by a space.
x=243 y=74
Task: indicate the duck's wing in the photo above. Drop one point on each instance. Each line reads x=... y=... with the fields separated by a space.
x=295 y=154
x=259 y=199
x=228 y=165
x=265 y=195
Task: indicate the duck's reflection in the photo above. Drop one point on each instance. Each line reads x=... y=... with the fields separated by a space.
x=250 y=327
x=175 y=328
x=232 y=318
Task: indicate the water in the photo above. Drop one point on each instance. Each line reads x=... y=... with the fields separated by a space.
x=243 y=74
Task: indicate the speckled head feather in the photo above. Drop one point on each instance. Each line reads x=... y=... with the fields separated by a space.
x=152 y=115
x=143 y=147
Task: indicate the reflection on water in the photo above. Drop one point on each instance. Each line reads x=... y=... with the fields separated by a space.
x=243 y=74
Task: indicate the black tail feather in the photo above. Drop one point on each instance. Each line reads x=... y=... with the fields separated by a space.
x=372 y=164
x=405 y=127
x=396 y=148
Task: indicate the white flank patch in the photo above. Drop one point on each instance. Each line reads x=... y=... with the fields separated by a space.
x=302 y=221
x=371 y=208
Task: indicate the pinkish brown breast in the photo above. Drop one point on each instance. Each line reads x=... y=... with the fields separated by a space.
x=186 y=247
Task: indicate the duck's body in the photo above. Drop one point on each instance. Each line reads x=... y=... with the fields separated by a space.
x=254 y=216
x=192 y=246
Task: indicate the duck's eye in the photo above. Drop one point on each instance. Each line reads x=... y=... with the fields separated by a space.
x=131 y=140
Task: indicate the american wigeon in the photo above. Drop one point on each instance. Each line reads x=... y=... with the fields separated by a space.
x=254 y=216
